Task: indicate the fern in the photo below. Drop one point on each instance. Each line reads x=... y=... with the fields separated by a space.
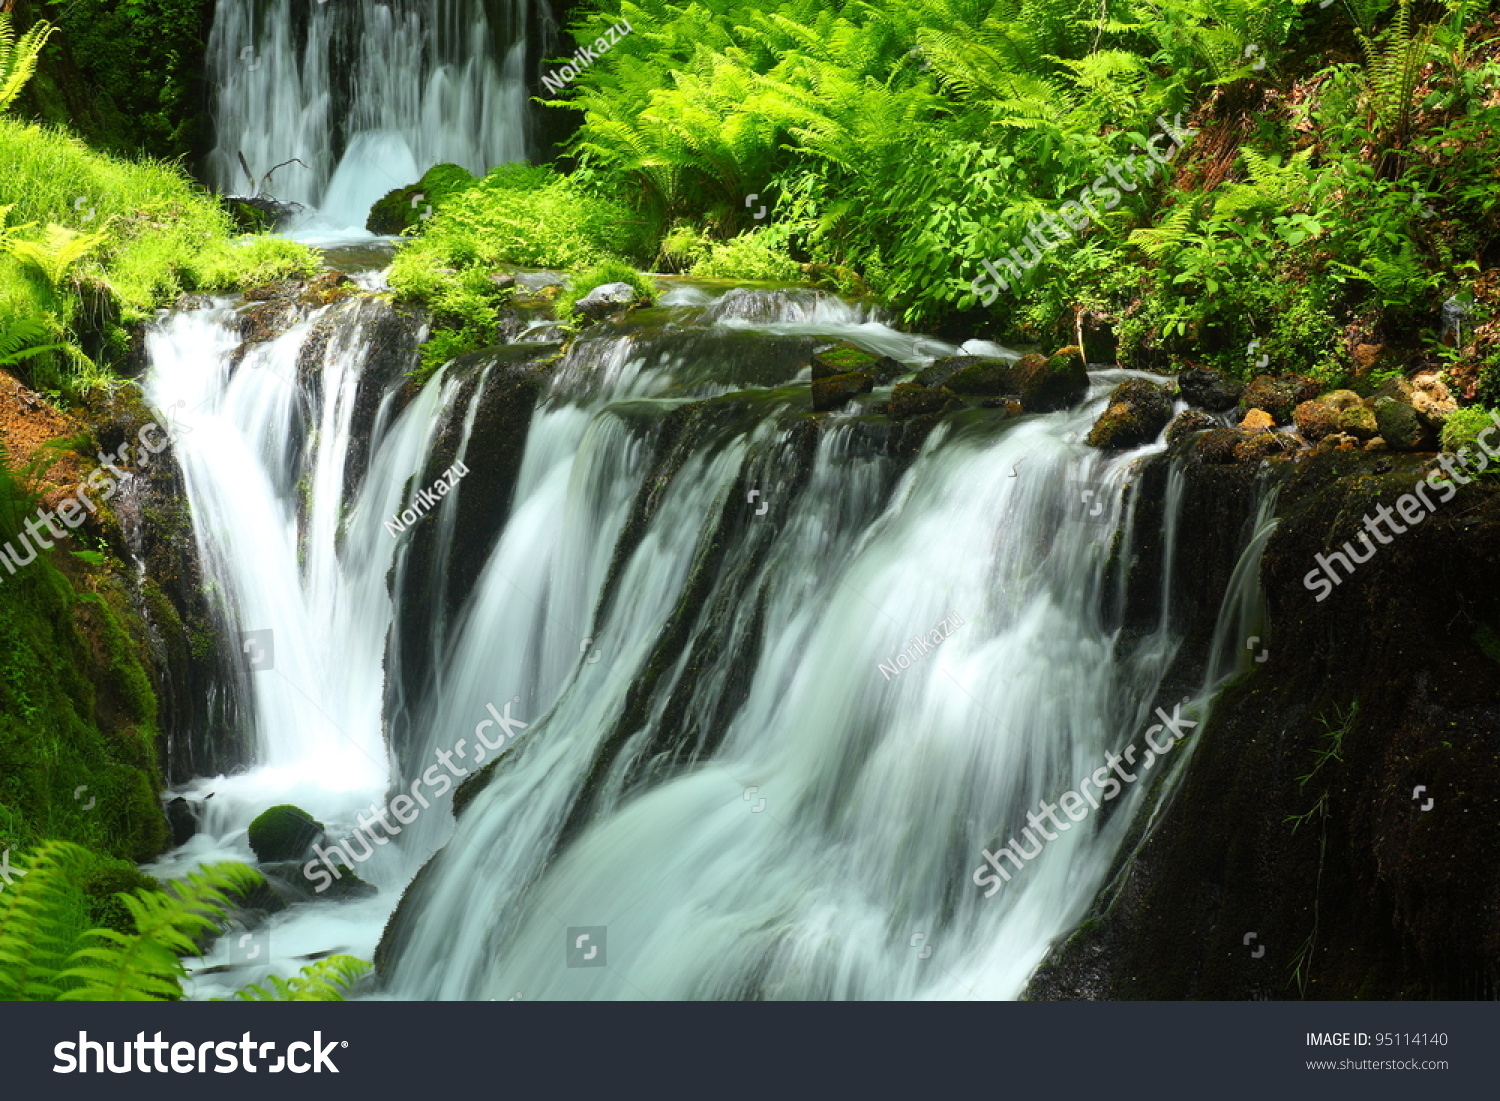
x=21 y=340
x=41 y=913
x=57 y=252
x=18 y=58
x=325 y=981
x=147 y=965
x=1393 y=60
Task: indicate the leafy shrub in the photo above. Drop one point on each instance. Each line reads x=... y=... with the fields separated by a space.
x=611 y=271
x=757 y=255
x=1462 y=428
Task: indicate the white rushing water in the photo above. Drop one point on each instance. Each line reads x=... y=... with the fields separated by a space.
x=779 y=817
x=368 y=94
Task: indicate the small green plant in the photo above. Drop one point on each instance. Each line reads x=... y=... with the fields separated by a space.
x=47 y=954
x=18 y=57
x=611 y=271
x=759 y=255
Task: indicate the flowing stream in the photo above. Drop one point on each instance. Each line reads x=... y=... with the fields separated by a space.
x=696 y=600
x=368 y=94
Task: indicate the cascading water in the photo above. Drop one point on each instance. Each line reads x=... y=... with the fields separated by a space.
x=696 y=598
x=368 y=94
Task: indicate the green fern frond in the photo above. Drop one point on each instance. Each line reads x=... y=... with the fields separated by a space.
x=41 y=912
x=147 y=965
x=325 y=981
x=18 y=58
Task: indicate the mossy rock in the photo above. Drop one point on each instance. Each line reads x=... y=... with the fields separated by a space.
x=1315 y=419
x=283 y=833
x=1216 y=445
x=840 y=360
x=102 y=885
x=1058 y=382
x=1260 y=445
x=399 y=210
x=836 y=392
x=1359 y=422
x=985 y=378
x=1401 y=427
x=911 y=399
x=1138 y=410
x=1206 y=388
x=1188 y=423
x=941 y=370
x=1278 y=396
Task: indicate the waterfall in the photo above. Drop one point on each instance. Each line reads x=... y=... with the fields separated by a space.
x=368 y=94
x=738 y=774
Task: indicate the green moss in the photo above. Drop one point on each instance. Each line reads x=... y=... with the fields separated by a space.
x=406 y=208
x=283 y=833
x=611 y=271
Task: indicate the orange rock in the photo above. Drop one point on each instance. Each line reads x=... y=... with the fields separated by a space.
x=1257 y=420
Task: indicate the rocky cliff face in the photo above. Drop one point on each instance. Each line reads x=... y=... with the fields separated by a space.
x=1336 y=830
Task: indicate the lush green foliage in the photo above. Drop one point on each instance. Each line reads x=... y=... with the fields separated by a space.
x=611 y=271
x=755 y=255
x=91 y=242
x=48 y=952
x=18 y=56
x=912 y=141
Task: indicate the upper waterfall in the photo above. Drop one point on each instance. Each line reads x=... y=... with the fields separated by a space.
x=368 y=94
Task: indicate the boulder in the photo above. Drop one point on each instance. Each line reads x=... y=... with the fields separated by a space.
x=182 y=821
x=605 y=300
x=1216 y=445
x=1401 y=427
x=839 y=390
x=1260 y=445
x=1208 y=389
x=1341 y=399
x=404 y=207
x=535 y=282
x=910 y=399
x=1359 y=422
x=1138 y=410
x=1432 y=400
x=1257 y=420
x=1188 y=422
x=1057 y=382
x=1278 y=396
x=1315 y=419
x=1366 y=356
x=941 y=370
x=985 y=378
x=843 y=358
x=284 y=833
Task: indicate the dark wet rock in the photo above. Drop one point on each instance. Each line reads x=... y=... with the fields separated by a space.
x=1208 y=389
x=1057 y=382
x=258 y=213
x=1401 y=427
x=1100 y=345
x=1187 y=423
x=941 y=370
x=988 y=378
x=1277 y=395
x=1216 y=445
x=839 y=390
x=1138 y=410
x=327 y=287
x=606 y=300
x=284 y=832
x=910 y=399
x=288 y=883
x=1247 y=841
x=182 y=821
x=1315 y=420
x=1396 y=387
x=1261 y=445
